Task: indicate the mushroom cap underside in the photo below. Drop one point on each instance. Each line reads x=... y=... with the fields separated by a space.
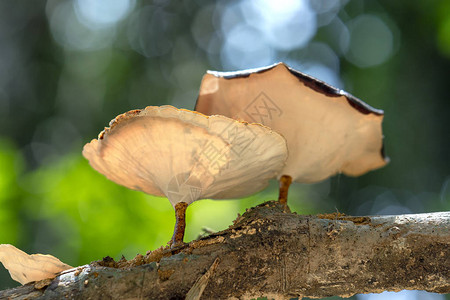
x=185 y=155
x=327 y=130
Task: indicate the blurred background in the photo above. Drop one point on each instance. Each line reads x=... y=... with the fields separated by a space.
x=68 y=67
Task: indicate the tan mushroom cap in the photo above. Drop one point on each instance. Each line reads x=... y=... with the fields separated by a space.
x=327 y=130
x=26 y=268
x=185 y=155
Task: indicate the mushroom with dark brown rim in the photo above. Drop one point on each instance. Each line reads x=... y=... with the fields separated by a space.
x=328 y=131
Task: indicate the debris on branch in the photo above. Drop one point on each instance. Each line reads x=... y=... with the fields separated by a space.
x=271 y=252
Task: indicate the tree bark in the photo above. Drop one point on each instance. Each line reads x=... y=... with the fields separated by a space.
x=271 y=252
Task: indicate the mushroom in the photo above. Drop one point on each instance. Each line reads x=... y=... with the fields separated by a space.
x=186 y=156
x=328 y=131
x=26 y=268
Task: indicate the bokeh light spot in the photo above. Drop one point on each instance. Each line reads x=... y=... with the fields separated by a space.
x=202 y=29
x=287 y=24
x=371 y=41
x=326 y=10
x=149 y=33
x=255 y=31
x=101 y=13
x=69 y=32
x=245 y=48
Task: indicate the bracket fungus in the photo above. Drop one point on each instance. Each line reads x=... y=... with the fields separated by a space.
x=328 y=131
x=186 y=156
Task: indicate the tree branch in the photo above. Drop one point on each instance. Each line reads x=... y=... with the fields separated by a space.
x=274 y=253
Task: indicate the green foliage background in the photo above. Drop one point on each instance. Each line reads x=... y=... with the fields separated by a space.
x=56 y=96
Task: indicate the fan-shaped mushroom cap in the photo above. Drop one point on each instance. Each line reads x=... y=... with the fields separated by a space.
x=327 y=130
x=186 y=155
x=26 y=268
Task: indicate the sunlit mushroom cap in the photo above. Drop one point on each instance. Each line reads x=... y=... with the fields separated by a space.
x=186 y=155
x=327 y=130
x=26 y=268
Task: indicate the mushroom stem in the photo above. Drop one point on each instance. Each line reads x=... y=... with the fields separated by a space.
x=180 y=224
x=285 y=182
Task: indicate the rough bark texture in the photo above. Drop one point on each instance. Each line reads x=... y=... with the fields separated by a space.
x=274 y=253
